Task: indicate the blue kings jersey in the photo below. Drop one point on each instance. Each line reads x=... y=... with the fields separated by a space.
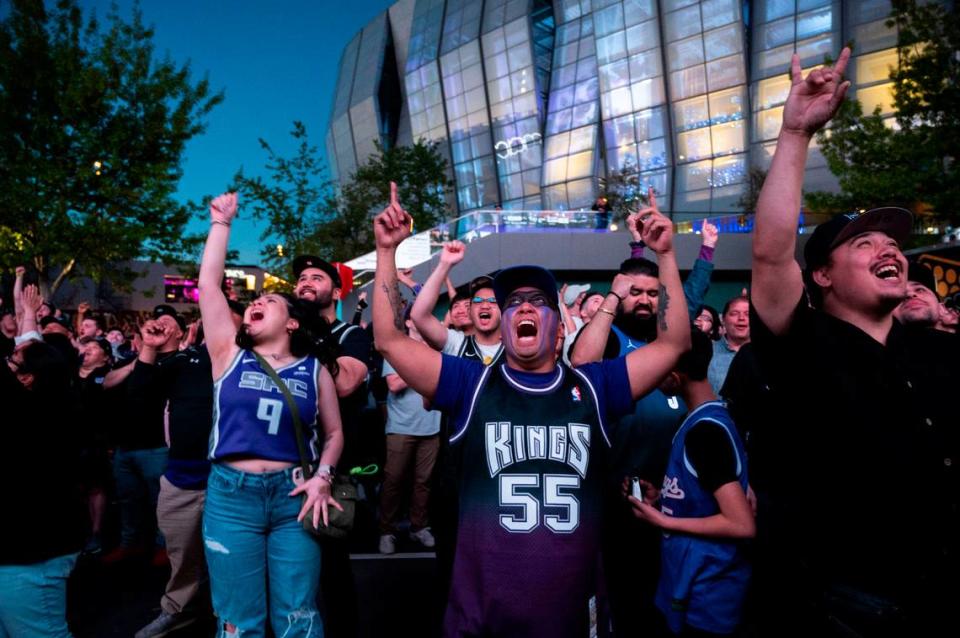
x=528 y=467
x=703 y=581
x=250 y=414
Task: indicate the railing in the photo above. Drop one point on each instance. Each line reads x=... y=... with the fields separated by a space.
x=420 y=247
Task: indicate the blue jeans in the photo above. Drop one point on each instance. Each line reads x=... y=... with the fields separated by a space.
x=253 y=541
x=33 y=599
x=137 y=474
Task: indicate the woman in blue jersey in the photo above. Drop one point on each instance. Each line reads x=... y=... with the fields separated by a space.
x=256 y=547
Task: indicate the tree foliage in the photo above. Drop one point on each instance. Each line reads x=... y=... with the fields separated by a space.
x=622 y=189
x=912 y=163
x=94 y=128
x=307 y=214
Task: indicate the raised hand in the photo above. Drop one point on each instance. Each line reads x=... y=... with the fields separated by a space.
x=223 y=208
x=83 y=308
x=393 y=225
x=656 y=231
x=710 y=234
x=815 y=99
x=453 y=253
x=31 y=299
x=19 y=272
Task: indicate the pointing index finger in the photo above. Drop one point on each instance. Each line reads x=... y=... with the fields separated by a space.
x=841 y=64
x=393 y=194
x=652 y=197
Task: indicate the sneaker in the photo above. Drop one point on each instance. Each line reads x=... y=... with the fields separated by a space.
x=424 y=537
x=388 y=544
x=164 y=624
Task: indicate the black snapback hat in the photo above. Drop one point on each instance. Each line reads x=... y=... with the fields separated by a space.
x=920 y=274
x=509 y=279
x=170 y=311
x=302 y=262
x=893 y=221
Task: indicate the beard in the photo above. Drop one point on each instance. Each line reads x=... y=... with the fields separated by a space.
x=635 y=327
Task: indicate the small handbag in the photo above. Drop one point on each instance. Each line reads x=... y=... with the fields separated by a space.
x=341 y=488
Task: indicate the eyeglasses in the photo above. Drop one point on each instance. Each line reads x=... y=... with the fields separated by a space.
x=535 y=299
x=482 y=299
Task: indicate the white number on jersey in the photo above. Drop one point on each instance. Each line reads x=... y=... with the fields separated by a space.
x=515 y=493
x=270 y=410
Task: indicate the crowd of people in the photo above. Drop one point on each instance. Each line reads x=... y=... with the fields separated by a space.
x=780 y=467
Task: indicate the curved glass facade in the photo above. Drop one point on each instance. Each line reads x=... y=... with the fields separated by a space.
x=533 y=101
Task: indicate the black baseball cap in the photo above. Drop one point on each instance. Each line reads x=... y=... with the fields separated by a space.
x=891 y=220
x=236 y=307
x=920 y=274
x=46 y=321
x=303 y=262
x=170 y=311
x=101 y=342
x=509 y=279
x=479 y=283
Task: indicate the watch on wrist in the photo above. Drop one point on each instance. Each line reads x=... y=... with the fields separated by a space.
x=327 y=469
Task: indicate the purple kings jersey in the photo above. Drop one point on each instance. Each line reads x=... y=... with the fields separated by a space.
x=250 y=414
x=529 y=464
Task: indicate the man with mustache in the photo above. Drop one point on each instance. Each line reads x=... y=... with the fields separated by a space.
x=529 y=438
x=484 y=342
x=864 y=423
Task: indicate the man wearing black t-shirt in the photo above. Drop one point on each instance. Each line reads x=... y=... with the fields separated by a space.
x=319 y=282
x=858 y=519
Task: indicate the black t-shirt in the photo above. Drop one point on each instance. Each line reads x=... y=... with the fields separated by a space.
x=862 y=450
x=7 y=344
x=711 y=454
x=353 y=342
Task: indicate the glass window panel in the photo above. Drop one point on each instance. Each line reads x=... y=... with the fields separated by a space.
x=460 y=151
x=873 y=36
x=580 y=194
x=694 y=176
x=685 y=53
x=512 y=186
x=812 y=51
x=722 y=42
x=464 y=173
x=469 y=54
x=477 y=120
x=413 y=83
x=729 y=170
x=557 y=145
x=649 y=123
x=613 y=47
x=453 y=84
x=501 y=112
x=519 y=57
x=617 y=102
x=586 y=91
x=481 y=144
x=583 y=139
x=566 y=76
x=623 y=156
x=416 y=102
x=586 y=47
x=472 y=77
x=774 y=60
x=524 y=105
x=585 y=113
x=875 y=96
x=865 y=10
x=609 y=19
x=776 y=33
x=586 y=69
x=773 y=9
x=531 y=182
x=493 y=41
x=692 y=201
x=728 y=138
x=559 y=121
x=516 y=32
x=643 y=37
x=555 y=171
x=555 y=197
x=693 y=145
x=688 y=82
x=614 y=75
x=683 y=23
x=645 y=65
x=658 y=181
x=476 y=100
x=719 y=12
x=670 y=5
x=431 y=94
x=499 y=90
x=773 y=91
x=803 y=5
x=428 y=74
x=528 y=126
x=435 y=116
x=875 y=67
x=619 y=131
x=567 y=54
x=691 y=114
x=450 y=63
x=652 y=154
x=635 y=11
x=497 y=65
x=506 y=165
x=814 y=23
x=647 y=93
x=726 y=72
x=458 y=130
x=727 y=106
x=768 y=123
x=561 y=98
x=456 y=107
x=521 y=82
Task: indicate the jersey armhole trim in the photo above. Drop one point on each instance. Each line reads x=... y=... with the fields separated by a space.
x=596 y=403
x=473 y=403
x=733 y=446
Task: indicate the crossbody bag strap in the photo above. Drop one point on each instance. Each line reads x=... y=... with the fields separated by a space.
x=294 y=412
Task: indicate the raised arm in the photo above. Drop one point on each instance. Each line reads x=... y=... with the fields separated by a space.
x=697 y=284
x=592 y=340
x=777 y=282
x=417 y=363
x=648 y=365
x=434 y=332
x=217 y=325
x=30 y=302
x=18 y=295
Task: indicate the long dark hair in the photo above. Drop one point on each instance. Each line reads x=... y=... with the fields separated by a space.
x=310 y=337
x=51 y=372
x=714 y=333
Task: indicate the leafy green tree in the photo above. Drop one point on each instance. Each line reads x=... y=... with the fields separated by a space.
x=748 y=201
x=307 y=214
x=622 y=189
x=912 y=164
x=94 y=128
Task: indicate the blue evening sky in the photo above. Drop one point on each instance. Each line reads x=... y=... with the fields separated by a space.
x=276 y=61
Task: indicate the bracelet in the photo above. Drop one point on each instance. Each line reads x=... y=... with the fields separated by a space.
x=222 y=223
x=323 y=476
x=637 y=244
x=326 y=469
x=615 y=295
x=609 y=312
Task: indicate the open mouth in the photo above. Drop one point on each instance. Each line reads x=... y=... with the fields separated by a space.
x=256 y=315
x=526 y=331
x=890 y=272
x=484 y=316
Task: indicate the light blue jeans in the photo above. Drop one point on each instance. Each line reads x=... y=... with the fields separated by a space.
x=33 y=599
x=257 y=551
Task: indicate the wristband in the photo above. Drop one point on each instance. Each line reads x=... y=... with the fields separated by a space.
x=222 y=223
x=326 y=469
x=637 y=244
x=609 y=312
x=615 y=295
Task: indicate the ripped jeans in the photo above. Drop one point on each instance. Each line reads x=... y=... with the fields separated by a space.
x=253 y=541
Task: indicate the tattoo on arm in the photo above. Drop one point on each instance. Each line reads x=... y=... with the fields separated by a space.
x=396 y=304
x=662 y=309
